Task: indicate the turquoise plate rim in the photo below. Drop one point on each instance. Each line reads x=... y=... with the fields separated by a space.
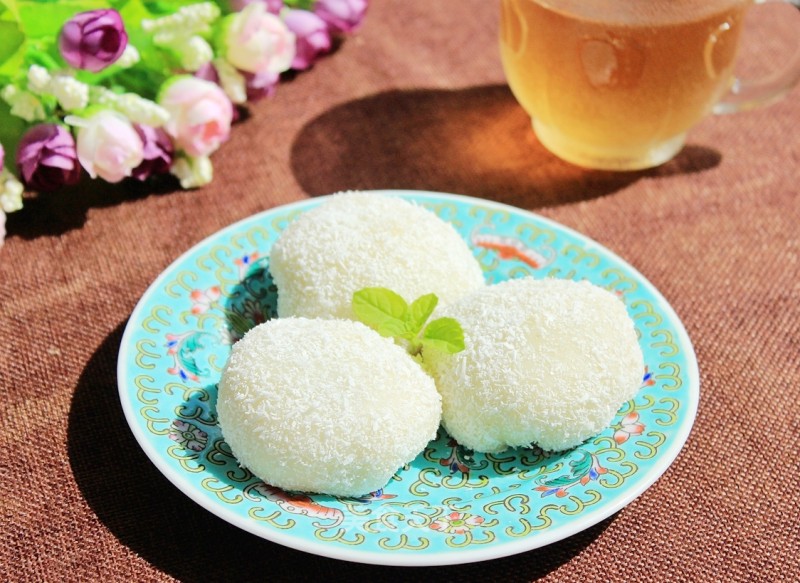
x=607 y=507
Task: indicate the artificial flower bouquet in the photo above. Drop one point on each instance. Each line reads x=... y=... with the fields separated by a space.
x=120 y=89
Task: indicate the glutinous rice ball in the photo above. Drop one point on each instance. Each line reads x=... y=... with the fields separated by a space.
x=359 y=239
x=547 y=362
x=325 y=406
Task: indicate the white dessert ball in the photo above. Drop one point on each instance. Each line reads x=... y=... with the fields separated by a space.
x=358 y=239
x=547 y=362
x=325 y=406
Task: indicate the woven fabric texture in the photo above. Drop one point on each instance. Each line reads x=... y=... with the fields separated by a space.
x=416 y=99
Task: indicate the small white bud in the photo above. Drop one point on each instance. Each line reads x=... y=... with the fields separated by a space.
x=101 y=96
x=8 y=93
x=187 y=21
x=141 y=110
x=232 y=81
x=129 y=57
x=193 y=172
x=24 y=105
x=194 y=51
x=38 y=79
x=70 y=93
x=10 y=192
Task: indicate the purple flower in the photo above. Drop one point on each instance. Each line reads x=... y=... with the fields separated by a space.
x=311 y=34
x=273 y=6
x=158 y=152
x=47 y=159
x=260 y=85
x=341 y=15
x=93 y=40
x=208 y=72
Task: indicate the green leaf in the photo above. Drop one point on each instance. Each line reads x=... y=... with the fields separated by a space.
x=12 y=41
x=44 y=18
x=382 y=310
x=11 y=7
x=443 y=334
x=11 y=130
x=302 y=4
x=419 y=312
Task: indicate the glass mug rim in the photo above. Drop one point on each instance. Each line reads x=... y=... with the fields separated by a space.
x=637 y=11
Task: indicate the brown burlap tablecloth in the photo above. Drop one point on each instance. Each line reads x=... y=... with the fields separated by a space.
x=415 y=100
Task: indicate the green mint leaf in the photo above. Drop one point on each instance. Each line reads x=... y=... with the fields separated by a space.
x=443 y=334
x=389 y=314
x=419 y=312
x=382 y=310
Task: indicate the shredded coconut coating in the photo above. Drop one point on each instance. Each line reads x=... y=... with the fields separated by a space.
x=356 y=240
x=325 y=406
x=547 y=362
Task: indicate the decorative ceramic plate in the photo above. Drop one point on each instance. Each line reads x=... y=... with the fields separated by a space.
x=449 y=505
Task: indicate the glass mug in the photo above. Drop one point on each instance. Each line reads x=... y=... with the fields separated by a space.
x=616 y=84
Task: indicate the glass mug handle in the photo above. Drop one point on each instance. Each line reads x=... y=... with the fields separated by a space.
x=747 y=94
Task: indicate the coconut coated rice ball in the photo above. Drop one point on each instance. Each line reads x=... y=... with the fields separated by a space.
x=547 y=362
x=325 y=406
x=358 y=239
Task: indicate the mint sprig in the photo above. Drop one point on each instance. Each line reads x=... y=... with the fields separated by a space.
x=390 y=315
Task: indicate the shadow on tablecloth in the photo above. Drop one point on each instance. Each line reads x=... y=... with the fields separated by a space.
x=152 y=518
x=56 y=213
x=475 y=141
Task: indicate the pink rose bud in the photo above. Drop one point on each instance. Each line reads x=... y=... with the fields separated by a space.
x=209 y=72
x=157 y=153
x=93 y=40
x=341 y=15
x=200 y=114
x=46 y=158
x=108 y=146
x=260 y=85
x=313 y=38
x=256 y=41
x=273 y=6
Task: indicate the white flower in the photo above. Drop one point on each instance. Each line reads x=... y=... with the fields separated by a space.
x=193 y=172
x=70 y=93
x=194 y=52
x=99 y=95
x=180 y=32
x=141 y=110
x=10 y=199
x=133 y=106
x=129 y=57
x=10 y=192
x=38 y=79
x=23 y=103
x=188 y=21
